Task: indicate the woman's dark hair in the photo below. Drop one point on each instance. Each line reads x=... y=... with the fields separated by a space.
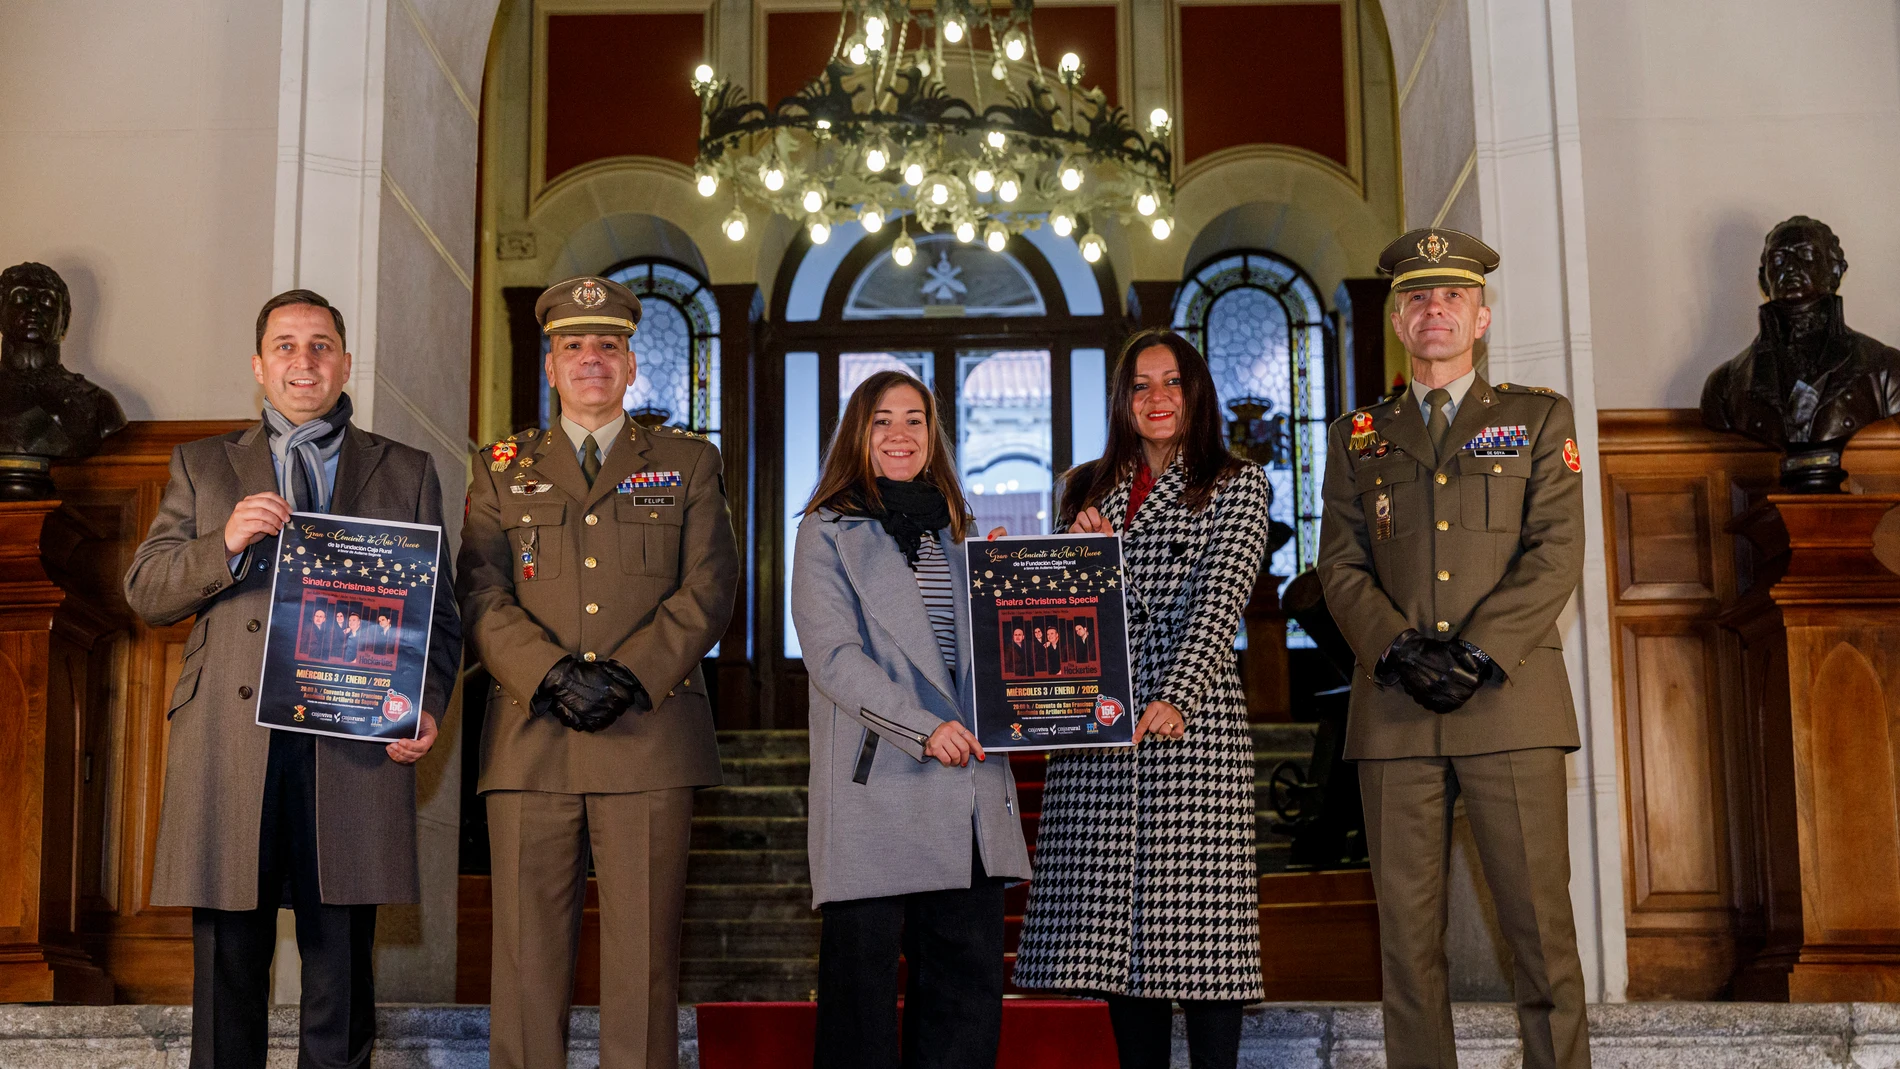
x=849 y=479
x=1201 y=445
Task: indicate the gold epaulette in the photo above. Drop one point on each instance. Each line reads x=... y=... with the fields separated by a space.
x=1545 y=390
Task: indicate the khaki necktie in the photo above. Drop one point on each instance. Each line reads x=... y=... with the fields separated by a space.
x=590 y=457
x=1440 y=423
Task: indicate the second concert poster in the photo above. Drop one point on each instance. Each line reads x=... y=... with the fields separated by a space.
x=1050 y=636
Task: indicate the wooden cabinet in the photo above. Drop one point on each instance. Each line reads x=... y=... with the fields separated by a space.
x=1712 y=865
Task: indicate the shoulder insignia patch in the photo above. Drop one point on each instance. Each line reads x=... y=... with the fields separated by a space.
x=1545 y=390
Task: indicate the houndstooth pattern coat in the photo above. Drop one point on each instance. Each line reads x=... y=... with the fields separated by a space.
x=1146 y=883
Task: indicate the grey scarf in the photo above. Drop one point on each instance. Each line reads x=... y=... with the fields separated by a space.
x=309 y=447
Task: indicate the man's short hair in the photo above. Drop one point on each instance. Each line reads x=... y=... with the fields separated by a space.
x=309 y=297
x=40 y=276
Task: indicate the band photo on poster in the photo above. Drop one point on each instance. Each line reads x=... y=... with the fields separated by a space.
x=1049 y=631
x=349 y=627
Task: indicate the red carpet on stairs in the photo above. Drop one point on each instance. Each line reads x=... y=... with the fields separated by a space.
x=1037 y=1034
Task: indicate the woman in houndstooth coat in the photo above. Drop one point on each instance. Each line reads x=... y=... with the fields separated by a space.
x=1146 y=884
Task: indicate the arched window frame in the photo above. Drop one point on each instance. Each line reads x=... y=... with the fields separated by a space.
x=1310 y=376
x=692 y=296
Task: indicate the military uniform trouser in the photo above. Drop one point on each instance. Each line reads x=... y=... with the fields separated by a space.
x=1515 y=801
x=539 y=846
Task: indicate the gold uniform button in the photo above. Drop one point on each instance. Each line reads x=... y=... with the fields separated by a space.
x=1378 y=480
x=592 y=519
x=1497 y=469
x=1443 y=525
x=653 y=515
x=592 y=608
x=1443 y=626
x=588 y=656
x=525 y=518
x=1444 y=577
x=1441 y=479
x=591 y=562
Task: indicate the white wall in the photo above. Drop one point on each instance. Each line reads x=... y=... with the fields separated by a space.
x=1703 y=125
x=137 y=145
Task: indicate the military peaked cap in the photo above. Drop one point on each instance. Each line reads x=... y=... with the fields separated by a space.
x=1436 y=256
x=588 y=305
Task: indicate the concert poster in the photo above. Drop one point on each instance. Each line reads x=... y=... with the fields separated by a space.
x=1050 y=636
x=347 y=643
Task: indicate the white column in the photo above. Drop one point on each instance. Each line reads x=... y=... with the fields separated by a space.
x=1530 y=185
x=329 y=168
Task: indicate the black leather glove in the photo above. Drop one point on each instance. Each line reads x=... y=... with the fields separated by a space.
x=588 y=695
x=1439 y=675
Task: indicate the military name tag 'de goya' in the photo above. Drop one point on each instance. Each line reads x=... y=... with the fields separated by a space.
x=1049 y=634
x=348 y=636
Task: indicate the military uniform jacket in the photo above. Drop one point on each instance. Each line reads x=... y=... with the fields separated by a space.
x=641 y=568
x=1485 y=545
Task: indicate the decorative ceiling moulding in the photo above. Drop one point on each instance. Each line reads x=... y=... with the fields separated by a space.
x=643 y=185
x=538 y=95
x=1354 y=165
x=1293 y=154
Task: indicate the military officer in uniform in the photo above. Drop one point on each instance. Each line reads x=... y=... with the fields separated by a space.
x=1453 y=535
x=597 y=568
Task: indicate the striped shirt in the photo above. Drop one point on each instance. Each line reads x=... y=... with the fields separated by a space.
x=933 y=582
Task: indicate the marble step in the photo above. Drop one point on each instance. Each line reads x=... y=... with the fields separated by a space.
x=755 y=980
x=748 y=902
x=749 y=833
x=751 y=802
x=766 y=771
x=1636 y=1035
x=747 y=866
x=750 y=940
x=740 y=745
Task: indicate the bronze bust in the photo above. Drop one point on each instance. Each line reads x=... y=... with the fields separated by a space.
x=1808 y=383
x=46 y=411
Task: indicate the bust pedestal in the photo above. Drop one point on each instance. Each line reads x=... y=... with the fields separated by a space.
x=45 y=683
x=1831 y=904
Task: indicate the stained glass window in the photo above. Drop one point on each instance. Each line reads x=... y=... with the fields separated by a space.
x=1259 y=320
x=677 y=347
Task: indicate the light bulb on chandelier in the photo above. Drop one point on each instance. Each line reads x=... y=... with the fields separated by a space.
x=814 y=198
x=914 y=174
x=773 y=176
x=995 y=236
x=954 y=29
x=982 y=180
x=872 y=218
x=706 y=182
x=1092 y=246
x=1062 y=222
x=1161 y=228
x=876 y=159
x=966 y=231
x=820 y=230
x=1008 y=187
x=734 y=226
x=1014 y=46
x=904 y=250
x=1145 y=203
x=1071 y=176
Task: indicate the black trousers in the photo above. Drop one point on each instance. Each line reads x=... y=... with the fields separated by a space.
x=232 y=949
x=1144 y=1032
x=952 y=942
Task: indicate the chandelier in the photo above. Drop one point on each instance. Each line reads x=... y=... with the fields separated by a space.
x=879 y=136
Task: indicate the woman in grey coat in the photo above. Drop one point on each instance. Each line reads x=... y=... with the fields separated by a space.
x=913 y=830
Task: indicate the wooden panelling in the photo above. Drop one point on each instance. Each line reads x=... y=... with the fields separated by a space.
x=1707 y=763
x=117 y=684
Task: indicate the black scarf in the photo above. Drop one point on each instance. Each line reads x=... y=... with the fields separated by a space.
x=911 y=510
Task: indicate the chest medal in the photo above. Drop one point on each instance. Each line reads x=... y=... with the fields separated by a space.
x=1382 y=516
x=529 y=541
x=1362 y=432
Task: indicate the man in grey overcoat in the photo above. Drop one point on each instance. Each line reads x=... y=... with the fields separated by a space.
x=255 y=818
